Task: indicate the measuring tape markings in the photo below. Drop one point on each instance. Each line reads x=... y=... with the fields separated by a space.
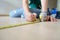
x=16 y=25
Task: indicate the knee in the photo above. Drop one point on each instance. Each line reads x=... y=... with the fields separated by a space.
x=16 y=13
x=12 y=13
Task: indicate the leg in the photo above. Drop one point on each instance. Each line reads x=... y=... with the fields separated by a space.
x=16 y=13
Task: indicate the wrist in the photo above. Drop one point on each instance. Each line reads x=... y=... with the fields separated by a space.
x=44 y=12
x=28 y=13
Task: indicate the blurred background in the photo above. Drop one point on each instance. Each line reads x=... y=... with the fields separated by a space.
x=7 y=5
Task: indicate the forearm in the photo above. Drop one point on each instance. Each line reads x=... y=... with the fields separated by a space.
x=44 y=4
x=26 y=6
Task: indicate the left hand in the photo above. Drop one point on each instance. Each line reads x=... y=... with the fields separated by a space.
x=34 y=17
x=51 y=19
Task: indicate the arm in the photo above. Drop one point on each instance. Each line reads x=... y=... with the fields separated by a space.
x=44 y=4
x=26 y=6
x=43 y=15
x=28 y=15
x=44 y=9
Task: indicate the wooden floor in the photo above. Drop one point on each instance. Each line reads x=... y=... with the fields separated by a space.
x=38 y=31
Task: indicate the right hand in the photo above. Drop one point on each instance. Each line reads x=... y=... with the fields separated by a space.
x=30 y=16
x=43 y=16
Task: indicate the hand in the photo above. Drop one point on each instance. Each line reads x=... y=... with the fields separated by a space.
x=30 y=16
x=51 y=19
x=48 y=18
x=43 y=16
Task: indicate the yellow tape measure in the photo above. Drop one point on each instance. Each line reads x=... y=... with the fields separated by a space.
x=16 y=25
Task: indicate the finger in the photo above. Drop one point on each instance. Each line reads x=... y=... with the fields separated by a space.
x=28 y=19
x=34 y=17
x=52 y=20
x=34 y=14
x=55 y=20
x=47 y=18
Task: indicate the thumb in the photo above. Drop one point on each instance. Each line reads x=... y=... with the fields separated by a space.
x=35 y=14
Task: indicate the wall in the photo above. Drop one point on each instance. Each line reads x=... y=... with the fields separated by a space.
x=52 y=3
x=16 y=3
x=7 y=5
x=58 y=5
